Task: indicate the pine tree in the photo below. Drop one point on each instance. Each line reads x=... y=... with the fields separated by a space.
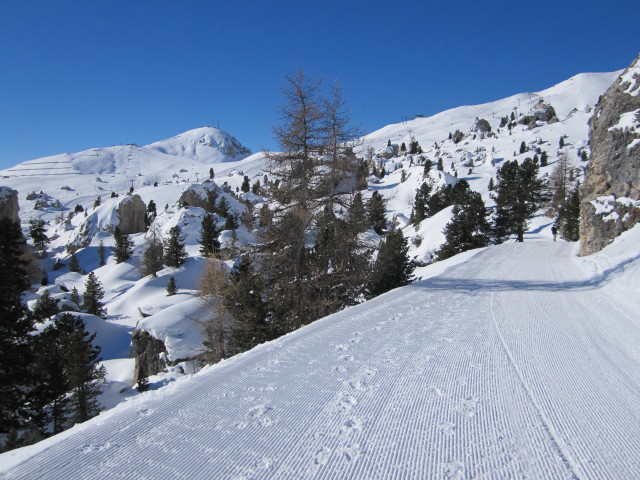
x=124 y=246
x=246 y=185
x=209 y=243
x=153 y=257
x=468 y=229
x=175 y=254
x=561 y=142
x=427 y=167
x=81 y=359
x=491 y=184
x=152 y=211
x=49 y=401
x=243 y=298
x=38 y=235
x=392 y=268
x=75 y=297
x=172 y=289
x=15 y=326
x=568 y=219
x=45 y=307
x=523 y=147
x=376 y=218
x=97 y=202
x=560 y=181
x=357 y=213
x=93 y=294
x=420 y=204
x=211 y=174
x=74 y=265
x=518 y=194
x=544 y=159
x=440 y=165
x=223 y=208
x=101 y=254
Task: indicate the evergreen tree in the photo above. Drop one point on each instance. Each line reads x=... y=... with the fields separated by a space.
x=49 y=401
x=38 y=235
x=568 y=219
x=209 y=243
x=97 y=202
x=403 y=148
x=74 y=265
x=392 y=268
x=223 y=208
x=243 y=299
x=93 y=294
x=102 y=254
x=172 y=289
x=246 y=185
x=518 y=194
x=175 y=254
x=81 y=359
x=468 y=229
x=15 y=326
x=440 y=165
x=255 y=188
x=523 y=147
x=75 y=296
x=152 y=211
x=420 y=204
x=544 y=159
x=561 y=142
x=491 y=184
x=153 y=257
x=376 y=218
x=45 y=307
x=560 y=181
x=357 y=213
x=427 y=167
x=124 y=246
x=211 y=174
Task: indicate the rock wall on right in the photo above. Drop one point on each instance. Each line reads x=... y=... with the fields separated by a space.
x=610 y=196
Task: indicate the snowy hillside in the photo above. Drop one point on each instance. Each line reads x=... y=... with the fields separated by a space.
x=475 y=371
x=521 y=362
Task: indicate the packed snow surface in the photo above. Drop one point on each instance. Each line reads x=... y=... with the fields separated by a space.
x=520 y=362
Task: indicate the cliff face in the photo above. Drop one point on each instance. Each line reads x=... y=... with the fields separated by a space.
x=9 y=204
x=132 y=213
x=611 y=192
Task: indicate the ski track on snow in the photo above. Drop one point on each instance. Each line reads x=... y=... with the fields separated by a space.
x=503 y=367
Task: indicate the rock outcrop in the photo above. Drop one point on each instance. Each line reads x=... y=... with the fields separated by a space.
x=149 y=353
x=611 y=193
x=132 y=214
x=9 y=204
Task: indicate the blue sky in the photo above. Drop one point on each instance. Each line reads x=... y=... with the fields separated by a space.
x=88 y=73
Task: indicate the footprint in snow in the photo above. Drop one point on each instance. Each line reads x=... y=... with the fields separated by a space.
x=341 y=348
x=454 y=470
x=347 y=402
x=348 y=358
x=339 y=369
x=447 y=428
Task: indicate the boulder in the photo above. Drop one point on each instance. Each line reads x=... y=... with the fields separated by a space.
x=132 y=213
x=9 y=204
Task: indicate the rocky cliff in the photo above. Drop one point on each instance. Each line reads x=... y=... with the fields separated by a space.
x=611 y=192
x=9 y=204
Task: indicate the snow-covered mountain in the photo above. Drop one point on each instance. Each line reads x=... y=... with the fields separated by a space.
x=206 y=145
x=442 y=379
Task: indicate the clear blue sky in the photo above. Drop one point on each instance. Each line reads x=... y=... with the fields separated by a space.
x=89 y=73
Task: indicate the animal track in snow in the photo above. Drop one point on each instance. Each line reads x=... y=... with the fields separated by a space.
x=467 y=408
x=341 y=348
x=453 y=470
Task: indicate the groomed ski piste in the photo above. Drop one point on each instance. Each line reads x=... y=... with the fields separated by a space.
x=517 y=361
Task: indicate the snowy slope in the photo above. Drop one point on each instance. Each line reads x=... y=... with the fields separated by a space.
x=522 y=362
